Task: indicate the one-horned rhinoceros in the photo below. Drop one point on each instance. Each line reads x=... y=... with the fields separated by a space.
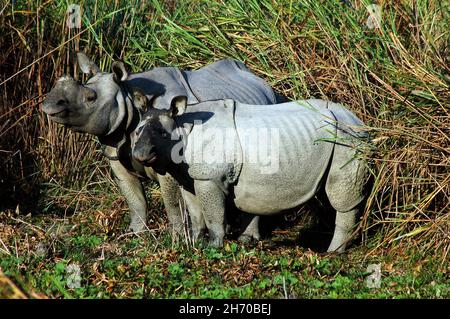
x=268 y=159
x=103 y=107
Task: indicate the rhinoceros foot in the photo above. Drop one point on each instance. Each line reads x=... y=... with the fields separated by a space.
x=215 y=241
x=247 y=239
x=136 y=228
x=251 y=231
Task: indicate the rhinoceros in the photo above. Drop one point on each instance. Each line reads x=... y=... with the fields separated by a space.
x=267 y=159
x=103 y=107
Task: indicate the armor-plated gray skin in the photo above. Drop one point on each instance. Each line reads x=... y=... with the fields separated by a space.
x=103 y=107
x=317 y=142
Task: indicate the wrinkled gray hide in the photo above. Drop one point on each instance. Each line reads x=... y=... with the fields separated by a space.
x=103 y=107
x=224 y=79
x=317 y=142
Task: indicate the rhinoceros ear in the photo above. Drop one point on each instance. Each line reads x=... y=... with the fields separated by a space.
x=140 y=100
x=119 y=71
x=178 y=105
x=87 y=65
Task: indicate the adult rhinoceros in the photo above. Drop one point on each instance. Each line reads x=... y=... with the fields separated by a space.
x=103 y=107
x=214 y=150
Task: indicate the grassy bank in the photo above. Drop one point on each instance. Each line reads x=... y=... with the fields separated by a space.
x=90 y=255
x=395 y=78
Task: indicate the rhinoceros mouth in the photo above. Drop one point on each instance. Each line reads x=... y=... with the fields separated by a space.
x=58 y=113
x=150 y=159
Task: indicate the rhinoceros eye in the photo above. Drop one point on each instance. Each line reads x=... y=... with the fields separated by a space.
x=91 y=96
x=162 y=132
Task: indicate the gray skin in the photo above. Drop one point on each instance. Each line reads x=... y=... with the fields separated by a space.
x=317 y=143
x=104 y=107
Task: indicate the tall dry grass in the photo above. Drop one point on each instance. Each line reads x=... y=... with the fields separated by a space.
x=396 y=78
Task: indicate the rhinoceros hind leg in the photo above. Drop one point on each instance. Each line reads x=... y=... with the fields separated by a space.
x=345 y=188
x=251 y=231
x=345 y=222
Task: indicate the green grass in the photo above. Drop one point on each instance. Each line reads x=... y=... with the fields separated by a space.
x=245 y=273
x=58 y=205
x=114 y=264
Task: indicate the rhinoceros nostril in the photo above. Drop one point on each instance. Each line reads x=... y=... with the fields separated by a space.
x=62 y=102
x=145 y=155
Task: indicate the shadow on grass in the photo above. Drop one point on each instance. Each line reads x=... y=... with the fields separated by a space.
x=31 y=197
x=310 y=227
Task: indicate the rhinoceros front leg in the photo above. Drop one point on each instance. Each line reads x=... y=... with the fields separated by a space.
x=132 y=189
x=345 y=222
x=212 y=201
x=171 y=195
x=194 y=207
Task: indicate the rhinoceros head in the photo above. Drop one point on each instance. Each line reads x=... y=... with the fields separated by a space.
x=153 y=137
x=97 y=107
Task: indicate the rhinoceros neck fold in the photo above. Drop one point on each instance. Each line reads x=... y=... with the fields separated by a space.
x=117 y=143
x=124 y=122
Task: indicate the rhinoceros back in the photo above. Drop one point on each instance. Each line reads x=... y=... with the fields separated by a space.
x=347 y=121
x=224 y=79
x=229 y=79
x=161 y=85
x=286 y=174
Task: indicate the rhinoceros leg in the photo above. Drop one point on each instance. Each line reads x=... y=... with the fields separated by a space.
x=171 y=195
x=345 y=188
x=252 y=228
x=198 y=225
x=212 y=201
x=131 y=188
x=344 y=225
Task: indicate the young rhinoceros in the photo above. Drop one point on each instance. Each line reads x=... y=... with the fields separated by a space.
x=103 y=107
x=268 y=159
